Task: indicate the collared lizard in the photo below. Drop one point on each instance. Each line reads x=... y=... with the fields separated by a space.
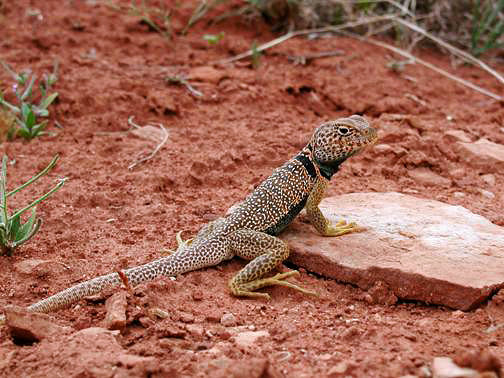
x=249 y=231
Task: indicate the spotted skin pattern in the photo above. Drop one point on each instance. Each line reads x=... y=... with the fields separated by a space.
x=249 y=230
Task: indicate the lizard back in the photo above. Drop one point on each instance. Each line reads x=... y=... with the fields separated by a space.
x=278 y=199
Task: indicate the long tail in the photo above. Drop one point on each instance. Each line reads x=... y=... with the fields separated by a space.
x=169 y=266
x=190 y=255
x=135 y=276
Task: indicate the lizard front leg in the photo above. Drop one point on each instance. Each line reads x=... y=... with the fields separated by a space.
x=317 y=219
x=266 y=253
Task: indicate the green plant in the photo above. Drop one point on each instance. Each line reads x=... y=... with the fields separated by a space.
x=487 y=26
x=155 y=18
x=256 y=56
x=213 y=39
x=13 y=232
x=200 y=11
x=25 y=111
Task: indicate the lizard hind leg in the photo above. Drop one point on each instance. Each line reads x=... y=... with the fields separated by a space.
x=266 y=253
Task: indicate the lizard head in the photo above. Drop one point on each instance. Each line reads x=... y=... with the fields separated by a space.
x=335 y=141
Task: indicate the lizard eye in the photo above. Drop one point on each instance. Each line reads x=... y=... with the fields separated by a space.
x=342 y=130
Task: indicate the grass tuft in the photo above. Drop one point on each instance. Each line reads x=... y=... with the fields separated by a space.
x=24 y=110
x=13 y=232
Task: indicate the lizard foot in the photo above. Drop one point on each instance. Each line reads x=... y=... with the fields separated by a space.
x=246 y=289
x=341 y=228
x=181 y=244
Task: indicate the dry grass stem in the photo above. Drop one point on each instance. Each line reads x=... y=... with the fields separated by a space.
x=158 y=147
x=468 y=57
x=391 y=17
x=289 y=35
x=432 y=67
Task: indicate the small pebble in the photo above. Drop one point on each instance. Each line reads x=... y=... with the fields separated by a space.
x=146 y=322
x=458 y=195
x=228 y=320
x=197 y=295
x=489 y=179
x=487 y=194
x=458 y=314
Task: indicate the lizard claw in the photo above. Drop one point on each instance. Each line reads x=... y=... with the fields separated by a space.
x=246 y=289
x=342 y=227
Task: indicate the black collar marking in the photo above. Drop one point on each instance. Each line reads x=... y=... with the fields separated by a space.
x=328 y=170
x=308 y=164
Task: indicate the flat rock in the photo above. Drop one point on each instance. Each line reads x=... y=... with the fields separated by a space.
x=482 y=154
x=27 y=326
x=421 y=249
x=116 y=311
x=444 y=367
x=90 y=352
x=453 y=135
x=251 y=367
x=427 y=177
x=249 y=338
x=39 y=267
x=207 y=73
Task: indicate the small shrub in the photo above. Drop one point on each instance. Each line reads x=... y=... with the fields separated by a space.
x=13 y=232
x=25 y=111
x=487 y=26
x=256 y=56
x=213 y=39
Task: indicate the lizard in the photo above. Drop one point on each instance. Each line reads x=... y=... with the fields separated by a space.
x=250 y=229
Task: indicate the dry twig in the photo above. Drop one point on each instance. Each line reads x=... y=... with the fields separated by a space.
x=125 y=281
x=392 y=17
x=158 y=147
x=432 y=67
x=462 y=54
x=298 y=33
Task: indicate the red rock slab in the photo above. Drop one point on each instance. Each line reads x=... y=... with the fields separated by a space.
x=422 y=249
x=29 y=327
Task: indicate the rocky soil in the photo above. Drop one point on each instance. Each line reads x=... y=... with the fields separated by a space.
x=438 y=140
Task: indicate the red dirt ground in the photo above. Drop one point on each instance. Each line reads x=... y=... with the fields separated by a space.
x=221 y=145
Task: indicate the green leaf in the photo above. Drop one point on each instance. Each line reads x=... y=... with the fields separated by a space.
x=42 y=112
x=13 y=225
x=48 y=100
x=43 y=91
x=4 y=215
x=13 y=108
x=26 y=228
x=213 y=38
x=29 y=235
x=3 y=236
x=12 y=231
x=30 y=119
x=28 y=91
x=25 y=109
x=21 y=78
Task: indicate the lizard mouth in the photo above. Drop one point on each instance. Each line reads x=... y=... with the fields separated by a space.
x=366 y=143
